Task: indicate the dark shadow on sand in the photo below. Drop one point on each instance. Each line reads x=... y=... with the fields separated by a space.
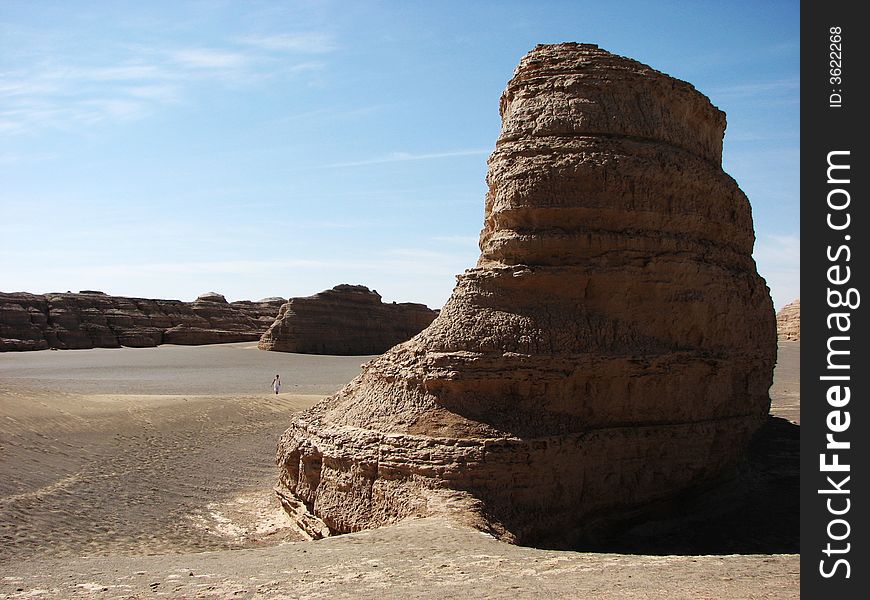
x=756 y=512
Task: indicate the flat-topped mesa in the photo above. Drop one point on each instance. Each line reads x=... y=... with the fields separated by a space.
x=613 y=347
x=92 y=319
x=346 y=320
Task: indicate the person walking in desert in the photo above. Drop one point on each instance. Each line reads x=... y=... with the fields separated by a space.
x=276 y=384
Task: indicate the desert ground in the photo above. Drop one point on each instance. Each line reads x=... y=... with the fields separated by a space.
x=140 y=473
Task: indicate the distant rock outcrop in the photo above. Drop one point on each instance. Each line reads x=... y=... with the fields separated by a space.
x=93 y=319
x=348 y=319
x=23 y=321
x=613 y=347
x=788 y=322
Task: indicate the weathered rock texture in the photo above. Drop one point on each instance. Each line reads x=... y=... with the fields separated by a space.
x=788 y=322
x=612 y=348
x=348 y=319
x=95 y=320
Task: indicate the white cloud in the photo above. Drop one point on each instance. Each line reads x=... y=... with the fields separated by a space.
x=165 y=93
x=209 y=58
x=778 y=249
x=122 y=72
x=779 y=87
x=406 y=156
x=461 y=240
x=17 y=84
x=9 y=158
x=418 y=254
x=137 y=80
x=310 y=42
x=119 y=109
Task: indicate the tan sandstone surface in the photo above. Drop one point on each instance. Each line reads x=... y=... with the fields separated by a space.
x=146 y=473
x=612 y=348
x=92 y=319
x=788 y=322
x=345 y=320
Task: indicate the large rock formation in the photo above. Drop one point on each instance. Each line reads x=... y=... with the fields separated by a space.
x=348 y=319
x=612 y=348
x=95 y=320
x=788 y=322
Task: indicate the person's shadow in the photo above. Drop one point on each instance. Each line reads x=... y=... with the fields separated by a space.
x=757 y=512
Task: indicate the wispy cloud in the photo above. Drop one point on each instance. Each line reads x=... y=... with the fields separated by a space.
x=758 y=88
x=459 y=240
x=779 y=249
x=209 y=58
x=310 y=42
x=406 y=156
x=332 y=113
x=137 y=80
x=160 y=92
x=125 y=71
x=118 y=109
x=9 y=158
x=16 y=84
x=417 y=254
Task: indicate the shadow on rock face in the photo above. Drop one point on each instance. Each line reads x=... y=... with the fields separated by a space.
x=755 y=512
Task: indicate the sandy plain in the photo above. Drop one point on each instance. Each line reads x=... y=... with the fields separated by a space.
x=140 y=473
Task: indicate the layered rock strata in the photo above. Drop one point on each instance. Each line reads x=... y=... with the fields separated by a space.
x=95 y=320
x=788 y=322
x=613 y=347
x=347 y=320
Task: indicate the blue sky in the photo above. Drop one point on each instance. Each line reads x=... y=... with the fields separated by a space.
x=165 y=149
